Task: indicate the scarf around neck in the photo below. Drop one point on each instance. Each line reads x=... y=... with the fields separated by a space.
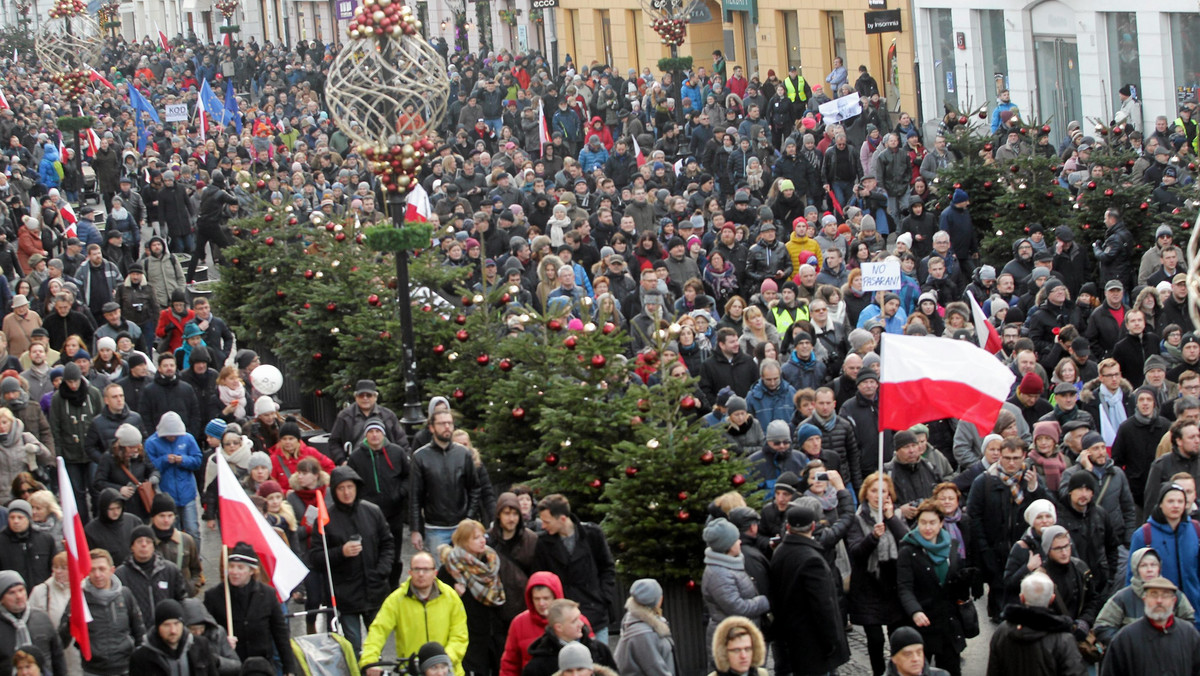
x=885 y=549
x=481 y=576
x=938 y=552
x=19 y=625
x=951 y=522
x=1112 y=413
x=828 y=499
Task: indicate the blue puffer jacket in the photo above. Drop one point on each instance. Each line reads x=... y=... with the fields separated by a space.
x=589 y=160
x=47 y=174
x=766 y=405
x=1178 y=551
x=178 y=479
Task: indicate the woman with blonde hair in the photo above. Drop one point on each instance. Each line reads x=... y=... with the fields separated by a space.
x=473 y=569
x=756 y=329
x=47 y=515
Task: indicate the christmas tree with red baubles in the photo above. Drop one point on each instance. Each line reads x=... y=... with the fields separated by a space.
x=975 y=171
x=1108 y=183
x=1031 y=194
x=667 y=472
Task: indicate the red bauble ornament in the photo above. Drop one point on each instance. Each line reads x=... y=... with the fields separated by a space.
x=1014 y=168
x=987 y=184
x=595 y=484
x=269 y=217
x=385 y=335
x=1108 y=192
x=1021 y=206
x=462 y=335
x=683 y=515
x=518 y=413
x=331 y=306
x=551 y=458
x=1045 y=129
x=957 y=186
x=609 y=327
x=506 y=365
x=318 y=393
x=341 y=237
x=505 y=299
x=707 y=457
x=317 y=356
x=329 y=226
x=687 y=403
x=306 y=306
x=682 y=496
x=554 y=325
x=1049 y=195
x=1091 y=185
x=279 y=293
x=635 y=421
x=260 y=184
x=983 y=114
x=570 y=342
x=459 y=395
x=691 y=585
x=631 y=471
x=270 y=241
x=962 y=119
x=466 y=301
x=1143 y=206
x=483 y=359
x=988 y=147
x=309 y=274
x=737 y=479
x=643 y=405
x=373 y=300
x=460 y=319
x=598 y=361
x=439 y=349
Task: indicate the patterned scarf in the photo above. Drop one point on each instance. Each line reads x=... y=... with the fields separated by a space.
x=1052 y=466
x=885 y=549
x=951 y=526
x=1013 y=481
x=481 y=576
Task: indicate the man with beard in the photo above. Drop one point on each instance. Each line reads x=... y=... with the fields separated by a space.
x=1156 y=643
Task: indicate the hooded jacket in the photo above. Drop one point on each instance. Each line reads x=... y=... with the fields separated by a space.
x=528 y=626
x=111 y=534
x=223 y=655
x=190 y=657
x=70 y=419
x=47 y=172
x=164 y=275
x=646 y=647
x=20 y=451
x=116 y=627
x=1177 y=548
x=360 y=582
x=178 y=479
x=516 y=558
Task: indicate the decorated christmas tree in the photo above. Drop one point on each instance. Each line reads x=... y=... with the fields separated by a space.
x=667 y=472
x=975 y=172
x=1031 y=194
x=1110 y=185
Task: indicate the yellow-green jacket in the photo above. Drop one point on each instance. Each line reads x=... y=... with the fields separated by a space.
x=441 y=618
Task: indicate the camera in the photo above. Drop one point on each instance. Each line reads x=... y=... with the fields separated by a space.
x=823 y=476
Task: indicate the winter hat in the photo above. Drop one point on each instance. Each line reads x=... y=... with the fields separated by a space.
x=199 y=355
x=867 y=223
x=960 y=196
x=720 y=535
x=987 y=273
x=71 y=371
x=433 y=404
x=802 y=515
x=257 y=666
x=735 y=403
x=162 y=502
x=432 y=654
x=244 y=358
x=906 y=239
x=903 y=638
x=1091 y=439
x=215 y=428
x=21 y=506
x=289 y=429
x=805 y=432
x=111 y=344
x=742 y=517
x=865 y=375
x=778 y=430
x=1154 y=361
x=1039 y=507
x=1082 y=480
x=170 y=425
x=1047 y=428
x=574 y=655
x=268 y=487
x=82 y=355
x=859 y=338
x=768 y=285
x=374 y=424
x=1050 y=535
x=10 y=384
x=259 y=459
x=1135 y=559
x=167 y=609
x=142 y=531
x=1032 y=383
x=646 y=591
x=136 y=359
x=128 y=435
x=191 y=331
x=903 y=438
x=264 y=405
x=9 y=579
x=1163 y=231
x=243 y=553
x=788 y=481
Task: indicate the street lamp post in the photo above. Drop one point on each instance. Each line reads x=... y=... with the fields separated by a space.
x=387 y=90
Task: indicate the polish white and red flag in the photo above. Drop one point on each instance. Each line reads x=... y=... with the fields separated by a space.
x=985 y=333
x=242 y=522
x=79 y=562
x=95 y=76
x=925 y=378
x=637 y=152
x=417 y=206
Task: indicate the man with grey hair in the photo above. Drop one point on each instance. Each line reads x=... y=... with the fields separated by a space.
x=1033 y=639
x=1156 y=643
x=770 y=399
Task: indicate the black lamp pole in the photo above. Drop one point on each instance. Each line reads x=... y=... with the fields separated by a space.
x=413 y=415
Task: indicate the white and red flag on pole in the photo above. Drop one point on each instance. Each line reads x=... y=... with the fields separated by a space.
x=417 y=206
x=93 y=140
x=95 y=76
x=925 y=378
x=4 y=101
x=637 y=152
x=202 y=117
x=79 y=562
x=985 y=333
x=543 y=128
x=162 y=38
x=242 y=522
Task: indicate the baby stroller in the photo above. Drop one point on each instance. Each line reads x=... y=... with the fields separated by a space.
x=324 y=654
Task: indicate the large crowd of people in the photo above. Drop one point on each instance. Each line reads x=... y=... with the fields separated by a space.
x=722 y=207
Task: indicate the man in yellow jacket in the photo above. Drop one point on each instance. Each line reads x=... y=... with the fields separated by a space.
x=423 y=609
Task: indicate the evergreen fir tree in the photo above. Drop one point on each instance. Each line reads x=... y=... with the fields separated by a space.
x=976 y=172
x=1110 y=185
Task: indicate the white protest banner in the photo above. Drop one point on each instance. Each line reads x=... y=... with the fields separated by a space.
x=841 y=109
x=177 y=112
x=881 y=276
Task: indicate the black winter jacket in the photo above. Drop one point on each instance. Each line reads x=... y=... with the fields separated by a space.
x=156 y=580
x=164 y=395
x=360 y=582
x=997 y=521
x=804 y=596
x=385 y=478
x=1034 y=642
x=108 y=534
x=543 y=653
x=258 y=622
x=43 y=634
x=103 y=430
x=115 y=630
x=588 y=574
x=445 y=487
x=155 y=658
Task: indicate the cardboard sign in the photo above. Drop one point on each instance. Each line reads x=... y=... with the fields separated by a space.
x=882 y=276
x=177 y=112
x=842 y=108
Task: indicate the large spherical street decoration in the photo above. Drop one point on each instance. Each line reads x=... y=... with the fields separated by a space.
x=266 y=379
x=70 y=41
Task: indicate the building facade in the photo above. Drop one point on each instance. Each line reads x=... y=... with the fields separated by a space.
x=759 y=35
x=1061 y=60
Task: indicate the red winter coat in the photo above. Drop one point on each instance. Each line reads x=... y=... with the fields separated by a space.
x=529 y=626
x=279 y=461
x=169 y=321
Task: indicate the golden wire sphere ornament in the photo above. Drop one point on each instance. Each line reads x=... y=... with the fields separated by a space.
x=1193 y=270
x=70 y=41
x=388 y=84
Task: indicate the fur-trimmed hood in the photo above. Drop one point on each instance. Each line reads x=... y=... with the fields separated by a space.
x=321 y=483
x=636 y=613
x=1088 y=395
x=597 y=669
x=721 y=637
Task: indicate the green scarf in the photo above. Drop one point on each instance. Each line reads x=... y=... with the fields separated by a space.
x=939 y=552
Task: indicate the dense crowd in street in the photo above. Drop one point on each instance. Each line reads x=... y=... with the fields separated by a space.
x=721 y=208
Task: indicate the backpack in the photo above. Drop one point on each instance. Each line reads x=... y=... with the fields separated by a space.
x=1146 y=530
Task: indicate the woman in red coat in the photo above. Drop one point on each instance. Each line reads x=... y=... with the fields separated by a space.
x=172 y=320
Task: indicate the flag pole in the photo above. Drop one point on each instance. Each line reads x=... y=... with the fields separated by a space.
x=878 y=407
x=329 y=576
x=228 y=604
x=880 y=482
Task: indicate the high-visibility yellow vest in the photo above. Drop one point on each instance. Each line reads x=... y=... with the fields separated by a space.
x=795 y=90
